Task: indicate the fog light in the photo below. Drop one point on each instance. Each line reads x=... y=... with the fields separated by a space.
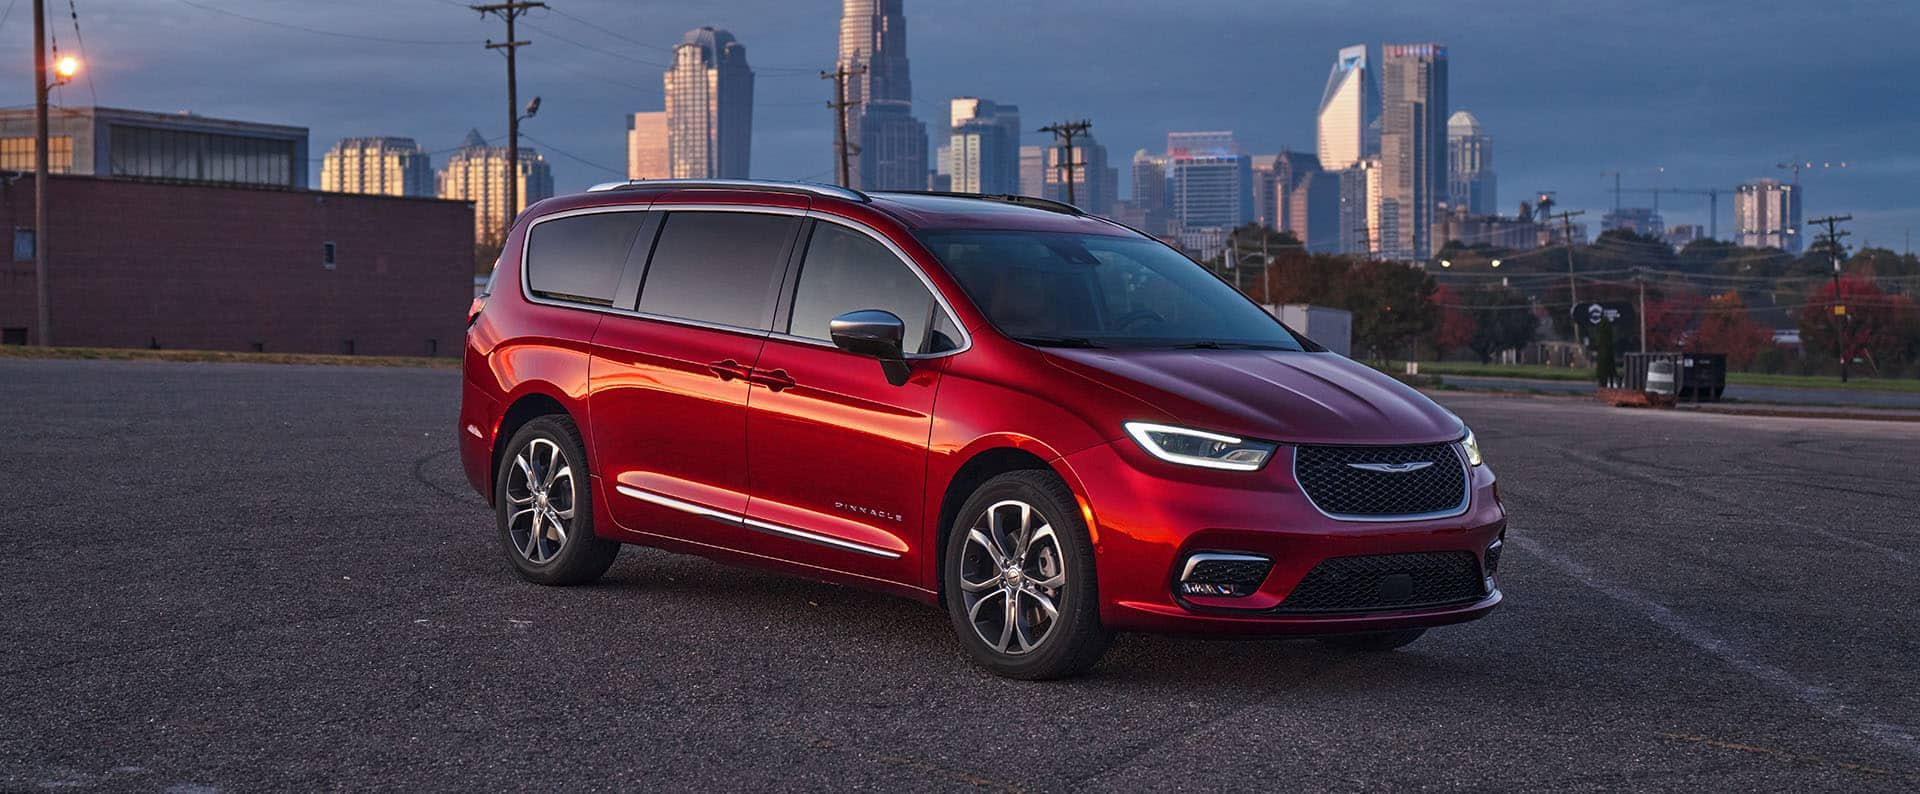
x=1222 y=575
x=1493 y=555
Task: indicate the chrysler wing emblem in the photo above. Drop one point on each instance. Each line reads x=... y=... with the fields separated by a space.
x=1391 y=468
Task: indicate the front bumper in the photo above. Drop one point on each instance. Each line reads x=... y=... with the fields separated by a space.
x=1148 y=515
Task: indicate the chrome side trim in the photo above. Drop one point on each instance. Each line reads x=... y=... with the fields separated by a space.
x=754 y=523
x=1196 y=559
x=814 y=188
x=1466 y=494
x=814 y=537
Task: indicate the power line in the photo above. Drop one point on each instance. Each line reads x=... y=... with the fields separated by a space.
x=317 y=31
x=574 y=157
x=82 y=45
x=601 y=50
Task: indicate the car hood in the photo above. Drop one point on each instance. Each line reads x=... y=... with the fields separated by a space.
x=1319 y=398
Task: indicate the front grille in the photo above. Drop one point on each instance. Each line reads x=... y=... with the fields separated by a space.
x=1387 y=581
x=1328 y=476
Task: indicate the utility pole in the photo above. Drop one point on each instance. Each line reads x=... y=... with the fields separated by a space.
x=1842 y=321
x=841 y=146
x=43 y=307
x=1566 y=236
x=1640 y=278
x=1064 y=131
x=509 y=11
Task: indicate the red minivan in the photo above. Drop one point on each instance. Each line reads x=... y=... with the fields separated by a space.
x=1055 y=426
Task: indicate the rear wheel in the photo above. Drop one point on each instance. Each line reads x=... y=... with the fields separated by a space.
x=544 y=506
x=1373 y=642
x=1019 y=579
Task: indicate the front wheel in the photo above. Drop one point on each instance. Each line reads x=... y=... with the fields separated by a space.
x=543 y=503
x=1019 y=579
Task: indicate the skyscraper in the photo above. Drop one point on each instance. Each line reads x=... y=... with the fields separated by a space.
x=476 y=172
x=984 y=147
x=1306 y=201
x=1470 y=179
x=1413 y=147
x=709 y=107
x=1348 y=106
x=1033 y=171
x=1766 y=214
x=892 y=143
x=647 y=146
x=1094 y=182
x=1361 y=222
x=381 y=166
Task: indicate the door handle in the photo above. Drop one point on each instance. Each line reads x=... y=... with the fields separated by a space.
x=728 y=369
x=776 y=380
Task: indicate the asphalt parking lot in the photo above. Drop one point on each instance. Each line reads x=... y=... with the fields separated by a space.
x=238 y=577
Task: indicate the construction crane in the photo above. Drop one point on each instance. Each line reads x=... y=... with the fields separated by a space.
x=1796 y=165
x=1713 y=202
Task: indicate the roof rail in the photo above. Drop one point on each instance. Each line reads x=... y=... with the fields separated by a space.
x=1007 y=198
x=811 y=188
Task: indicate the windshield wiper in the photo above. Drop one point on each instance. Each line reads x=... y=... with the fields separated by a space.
x=1059 y=341
x=1209 y=344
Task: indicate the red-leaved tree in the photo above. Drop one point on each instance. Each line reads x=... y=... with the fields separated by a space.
x=1875 y=326
x=1456 y=325
x=1726 y=327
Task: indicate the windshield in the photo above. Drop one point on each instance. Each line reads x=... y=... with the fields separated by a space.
x=1061 y=289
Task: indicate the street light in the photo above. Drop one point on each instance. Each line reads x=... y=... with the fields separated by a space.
x=1446 y=263
x=44 y=81
x=1495 y=263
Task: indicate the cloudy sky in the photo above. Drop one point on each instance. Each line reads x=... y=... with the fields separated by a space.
x=1713 y=92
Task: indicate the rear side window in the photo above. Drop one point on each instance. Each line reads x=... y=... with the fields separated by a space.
x=718 y=267
x=580 y=258
x=847 y=271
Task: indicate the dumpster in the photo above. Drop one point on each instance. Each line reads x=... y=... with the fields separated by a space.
x=1696 y=377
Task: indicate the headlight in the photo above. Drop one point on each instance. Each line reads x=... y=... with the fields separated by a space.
x=1189 y=447
x=1471 y=446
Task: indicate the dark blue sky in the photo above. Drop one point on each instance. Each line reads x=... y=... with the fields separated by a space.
x=1714 y=92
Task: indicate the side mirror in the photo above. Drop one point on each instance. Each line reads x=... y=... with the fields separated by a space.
x=876 y=334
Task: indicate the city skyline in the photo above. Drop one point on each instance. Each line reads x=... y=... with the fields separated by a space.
x=1567 y=97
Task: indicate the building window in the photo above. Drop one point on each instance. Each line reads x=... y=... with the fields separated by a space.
x=22 y=245
x=16 y=154
x=326 y=255
x=13 y=336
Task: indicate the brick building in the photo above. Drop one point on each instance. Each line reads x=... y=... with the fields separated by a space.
x=207 y=267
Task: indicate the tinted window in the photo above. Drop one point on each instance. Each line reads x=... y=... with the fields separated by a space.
x=718 y=267
x=1082 y=290
x=847 y=271
x=580 y=258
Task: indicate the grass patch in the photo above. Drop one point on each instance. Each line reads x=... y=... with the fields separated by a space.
x=1541 y=372
x=222 y=356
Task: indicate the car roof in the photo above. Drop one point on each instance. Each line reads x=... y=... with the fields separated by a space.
x=929 y=211
x=913 y=209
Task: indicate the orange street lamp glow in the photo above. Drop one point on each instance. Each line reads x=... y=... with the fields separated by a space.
x=67 y=66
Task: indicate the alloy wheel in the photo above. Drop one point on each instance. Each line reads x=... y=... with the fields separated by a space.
x=540 y=500
x=1012 y=576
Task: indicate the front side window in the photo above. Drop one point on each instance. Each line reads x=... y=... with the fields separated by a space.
x=846 y=271
x=1065 y=289
x=579 y=258
x=718 y=267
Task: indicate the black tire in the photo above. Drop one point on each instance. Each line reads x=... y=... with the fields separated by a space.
x=580 y=556
x=1373 y=642
x=1072 y=641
